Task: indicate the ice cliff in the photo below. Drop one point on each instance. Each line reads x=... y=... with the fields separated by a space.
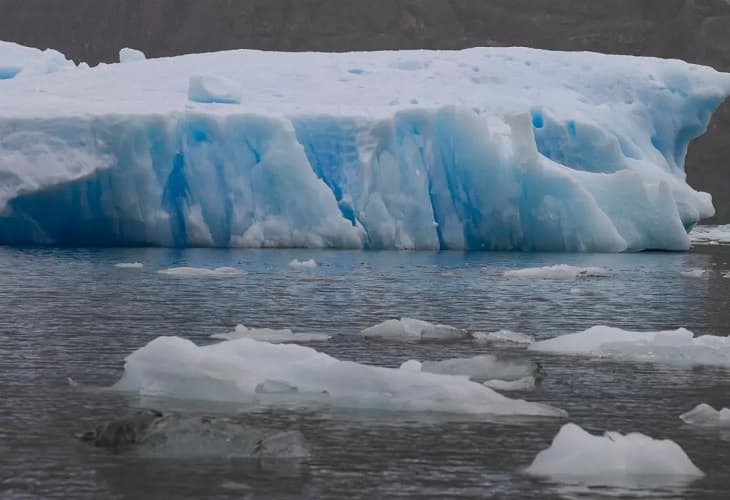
x=486 y=148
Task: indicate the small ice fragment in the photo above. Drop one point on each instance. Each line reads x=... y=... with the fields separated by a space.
x=202 y=272
x=127 y=55
x=270 y=335
x=695 y=273
x=704 y=415
x=303 y=264
x=522 y=384
x=412 y=365
x=210 y=89
x=129 y=265
x=558 y=272
x=615 y=457
x=413 y=330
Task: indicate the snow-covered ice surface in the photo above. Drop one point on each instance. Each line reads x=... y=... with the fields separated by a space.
x=710 y=235
x=612 y=459
x=677 y=347
x=558 y=272
x=274 y=336
x=231 y=371
x=202 y=272
x=485 y=148
x=19 y=61
x=704 y=415
x=129 y=265
x=303 y=264
x=413 y=330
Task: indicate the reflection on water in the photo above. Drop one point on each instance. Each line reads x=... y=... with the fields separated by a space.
x=72 y=313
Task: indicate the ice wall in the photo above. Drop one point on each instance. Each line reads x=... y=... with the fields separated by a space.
x=499 y=149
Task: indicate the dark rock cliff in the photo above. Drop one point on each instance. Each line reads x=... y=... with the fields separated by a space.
x=694 y=30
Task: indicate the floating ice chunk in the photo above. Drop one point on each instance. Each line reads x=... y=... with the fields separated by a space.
x=413 y=330
x=202 y=272
x=481 y=368
x=522 y=384
x=708 y=235
x=503 y=336
x=19 y=61
x=613 y=458
x=704 y=415
x=695 y=273
x=214 y=89
x=557 y=272
x=303 y=264
x=678 y=347
x=127 y=55
x=153 y=434
x=129 y=265
x=270 y=335
x=412 y=365
x=231 y=371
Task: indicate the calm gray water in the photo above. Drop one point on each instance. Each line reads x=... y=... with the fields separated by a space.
x=71 y=313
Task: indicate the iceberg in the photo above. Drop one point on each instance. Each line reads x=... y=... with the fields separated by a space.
x=676 y=347
x=484 y=149
x=413 y=330
x=704 y=415
x=232 y=371
x=613 y=458
x=270 y=335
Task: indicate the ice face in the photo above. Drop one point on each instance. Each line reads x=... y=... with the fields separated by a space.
x=413 y=330
x=678 y=347
x=611 y=458
x=704 y=415
x=488 y=148
x=231 y=371
x=270 y=335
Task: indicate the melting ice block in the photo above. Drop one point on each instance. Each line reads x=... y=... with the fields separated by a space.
x=485 y=148
x=413 y=330
x=127 y=55
x=704 y=415
x=612 y=458
x=679 y=347
x=232 y=371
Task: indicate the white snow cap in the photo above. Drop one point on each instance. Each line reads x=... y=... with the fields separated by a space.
x=678 y=347
x=127 y=55
x=574 y=453
x=232 y=370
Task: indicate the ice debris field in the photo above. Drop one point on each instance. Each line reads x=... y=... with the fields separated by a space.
x=485 y=148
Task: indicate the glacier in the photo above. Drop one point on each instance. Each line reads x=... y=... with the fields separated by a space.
x=484 y=148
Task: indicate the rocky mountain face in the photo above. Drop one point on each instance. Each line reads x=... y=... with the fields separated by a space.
x=694 y=30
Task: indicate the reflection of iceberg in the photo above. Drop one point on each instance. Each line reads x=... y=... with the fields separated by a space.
x=231 y=371
x=486 y=148
x=612 y=459
x=678 y=347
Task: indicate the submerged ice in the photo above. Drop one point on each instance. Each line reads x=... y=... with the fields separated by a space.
x=488 y=148
x=247 y=371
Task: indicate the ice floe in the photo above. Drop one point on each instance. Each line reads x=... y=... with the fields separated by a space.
x=231 y=371
x=704 y=415
x=129 y=265
x=274 y=336
x=679 y=347
x=413 y=330
x=613 y=457
x=708 y=235
x=303 y=264
x=202 y=272
x=558 y=272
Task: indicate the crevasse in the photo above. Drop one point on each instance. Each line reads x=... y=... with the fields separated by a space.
x=494 y=149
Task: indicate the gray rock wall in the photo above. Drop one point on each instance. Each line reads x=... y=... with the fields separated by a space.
x=693 y=30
